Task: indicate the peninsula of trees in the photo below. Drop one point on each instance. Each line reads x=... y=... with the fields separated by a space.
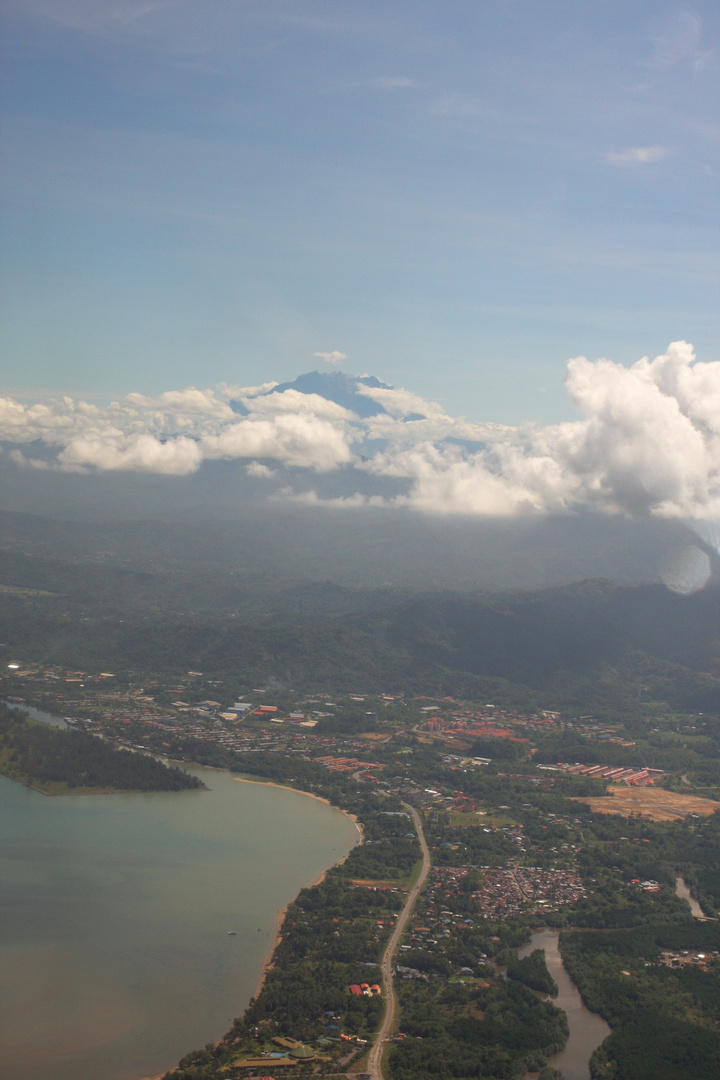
x=58 y=762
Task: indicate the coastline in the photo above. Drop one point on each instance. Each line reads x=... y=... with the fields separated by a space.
x=267 y=966
x=268 y=963
x=310 y=795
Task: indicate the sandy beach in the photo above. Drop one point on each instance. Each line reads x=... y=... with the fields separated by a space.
x=321 y=877
x=268 y=964
x=309 y=795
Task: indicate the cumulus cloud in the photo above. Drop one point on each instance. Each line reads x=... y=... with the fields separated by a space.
x=647 y=442
x=246 y=391
x=402 y=403
x=292 y=401
x=175 y=432
x=139 y=453
x=501 y=480
x=641 y=448
x=334 y=357
x=302 y=441
x=260 y=471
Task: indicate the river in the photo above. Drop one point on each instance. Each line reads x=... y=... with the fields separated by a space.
x=683 y=892
x=587 y=1030
x=115 y=951
x=38 y=714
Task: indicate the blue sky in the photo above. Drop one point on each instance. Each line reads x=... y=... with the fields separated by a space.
x=458 y=196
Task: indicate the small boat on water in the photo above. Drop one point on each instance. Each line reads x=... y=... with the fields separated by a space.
x=232 y=933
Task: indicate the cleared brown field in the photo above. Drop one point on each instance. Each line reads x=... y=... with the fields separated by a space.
x=649 y=802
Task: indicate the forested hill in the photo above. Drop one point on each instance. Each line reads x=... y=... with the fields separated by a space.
x=594 y=646
x=529 y=637
x=58 y=761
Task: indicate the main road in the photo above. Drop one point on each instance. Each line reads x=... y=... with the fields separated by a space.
x=375 y=1059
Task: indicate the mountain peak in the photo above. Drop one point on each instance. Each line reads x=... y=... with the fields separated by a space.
x=334 y=386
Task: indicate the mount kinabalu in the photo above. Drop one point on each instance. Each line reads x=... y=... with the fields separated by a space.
x=339 y=387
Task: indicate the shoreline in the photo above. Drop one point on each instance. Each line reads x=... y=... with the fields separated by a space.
x=309 y=795
x=268 y=964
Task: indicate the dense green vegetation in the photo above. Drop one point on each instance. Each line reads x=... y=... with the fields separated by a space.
x=664 y=1018
x=57 y=761
x=332 y=937
x=533 y=972
x=474 y=1030
x=655 y=1047
x=592 y=647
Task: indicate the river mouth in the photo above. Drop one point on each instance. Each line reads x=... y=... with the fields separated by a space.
x=587 y=1029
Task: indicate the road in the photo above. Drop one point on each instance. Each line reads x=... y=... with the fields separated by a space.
x=375 y=1059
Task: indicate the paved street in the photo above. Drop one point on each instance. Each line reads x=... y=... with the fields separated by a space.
x=375 y=1059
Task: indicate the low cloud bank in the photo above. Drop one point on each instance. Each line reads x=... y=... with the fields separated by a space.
x=647 y=442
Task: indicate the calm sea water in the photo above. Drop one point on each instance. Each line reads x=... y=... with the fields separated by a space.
x=115 y=957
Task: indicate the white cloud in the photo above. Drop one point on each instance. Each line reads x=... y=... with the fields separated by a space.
x=638 y=155
x=140 y=453
x=400 y=403
x=191 y=400
x=500 y=481
x=260 y=471
x=293 y=401
x=334 y=357
x=650 y=441
x=303 y=441
x=176 y=431
x=340 y=502
x=647 y=442
x=246 y=391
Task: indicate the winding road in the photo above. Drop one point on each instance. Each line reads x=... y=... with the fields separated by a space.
x=375 y=1059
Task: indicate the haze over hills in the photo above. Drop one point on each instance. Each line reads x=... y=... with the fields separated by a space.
x=289 y=545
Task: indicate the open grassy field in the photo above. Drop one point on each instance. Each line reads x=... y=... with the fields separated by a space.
x=649 y=802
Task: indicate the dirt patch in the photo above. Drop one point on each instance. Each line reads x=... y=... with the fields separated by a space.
x=649 y=802
x=365 y=883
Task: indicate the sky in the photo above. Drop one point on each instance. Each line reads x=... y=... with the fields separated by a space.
x=458 y=198
x=506 y=211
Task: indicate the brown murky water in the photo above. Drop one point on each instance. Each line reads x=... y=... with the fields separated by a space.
x=587 y=1030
